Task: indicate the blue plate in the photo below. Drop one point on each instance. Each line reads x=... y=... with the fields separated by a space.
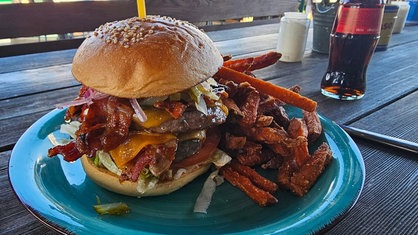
x=59 y=194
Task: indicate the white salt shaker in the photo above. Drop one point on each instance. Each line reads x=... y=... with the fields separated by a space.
x=293 y=33
x=401 y=19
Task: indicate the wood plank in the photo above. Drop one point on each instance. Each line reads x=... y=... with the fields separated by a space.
x=196 y=11
x=14 y=218
x=33 y=81
x=399 y=119
x=60 y=18
x=67 y=17
x=18 y=114
x=34 y=103
x=34 y=61
x=13 y=128
x=389 y=198
x=38 y=47
x=38 y=60
x=251 y=45
x=232 y=34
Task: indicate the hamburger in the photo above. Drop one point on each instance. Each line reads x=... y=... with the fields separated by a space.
x=144 y=122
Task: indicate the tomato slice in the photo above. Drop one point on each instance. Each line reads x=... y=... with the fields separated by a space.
x=209 y=147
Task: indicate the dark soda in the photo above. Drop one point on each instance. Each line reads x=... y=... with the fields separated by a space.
x=353 y=40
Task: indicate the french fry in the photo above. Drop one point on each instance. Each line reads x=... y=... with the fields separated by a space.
x=281 y=93
x=253 y=63
x=256 y=178
x=261 y=197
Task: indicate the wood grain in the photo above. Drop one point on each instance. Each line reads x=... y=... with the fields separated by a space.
x=84 y=16
x=66 y=17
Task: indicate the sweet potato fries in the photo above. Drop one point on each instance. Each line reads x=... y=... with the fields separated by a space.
x=281 y=93
x=259 y=134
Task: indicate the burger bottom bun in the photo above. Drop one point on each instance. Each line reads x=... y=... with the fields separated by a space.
x=111 y=182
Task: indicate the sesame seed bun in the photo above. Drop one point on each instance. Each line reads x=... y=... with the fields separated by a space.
x=136 y=58
x=110 y=181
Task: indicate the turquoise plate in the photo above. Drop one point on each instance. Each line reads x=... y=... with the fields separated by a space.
x=59 y=194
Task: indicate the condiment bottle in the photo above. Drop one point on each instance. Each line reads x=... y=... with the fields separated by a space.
x=294 y=27
x=353 y=40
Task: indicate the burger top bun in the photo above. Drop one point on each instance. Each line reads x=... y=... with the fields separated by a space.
x=111 y=182
x=147 y=57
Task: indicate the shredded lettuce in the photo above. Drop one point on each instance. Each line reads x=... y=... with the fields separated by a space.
x=206 y=89
x=205 y=197
x=198 y=99
x=106 y=161
x=220 y=158
x=145 y=185
x=179 y=173
x=70 y=128
x=175 y=97
x=96 y=161
x=53 y=140
x=198 y=92
x=151 y=100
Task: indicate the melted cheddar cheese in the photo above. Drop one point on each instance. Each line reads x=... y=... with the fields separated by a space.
x=155 y=117
x=134 y=144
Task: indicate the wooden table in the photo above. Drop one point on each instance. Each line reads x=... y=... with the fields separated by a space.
x=32 y=84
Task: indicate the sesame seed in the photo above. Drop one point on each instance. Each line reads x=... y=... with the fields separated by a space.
x=134 y=30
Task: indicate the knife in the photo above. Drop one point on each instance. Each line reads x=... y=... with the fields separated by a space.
x=383 y=139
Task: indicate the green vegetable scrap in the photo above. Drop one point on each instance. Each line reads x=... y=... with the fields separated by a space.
x=116 y=208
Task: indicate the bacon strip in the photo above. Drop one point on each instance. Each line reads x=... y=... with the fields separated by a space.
x=175 y=108
x=105 y=126
x=140 y=162
x=68 y=151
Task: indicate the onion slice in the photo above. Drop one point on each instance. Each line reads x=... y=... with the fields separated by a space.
x=88 y=98
x=138 y=110
x=72 y=103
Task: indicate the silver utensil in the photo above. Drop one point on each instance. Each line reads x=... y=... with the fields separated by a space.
x=383 y=139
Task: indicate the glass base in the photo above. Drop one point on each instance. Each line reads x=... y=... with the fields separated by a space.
x=341 y=97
